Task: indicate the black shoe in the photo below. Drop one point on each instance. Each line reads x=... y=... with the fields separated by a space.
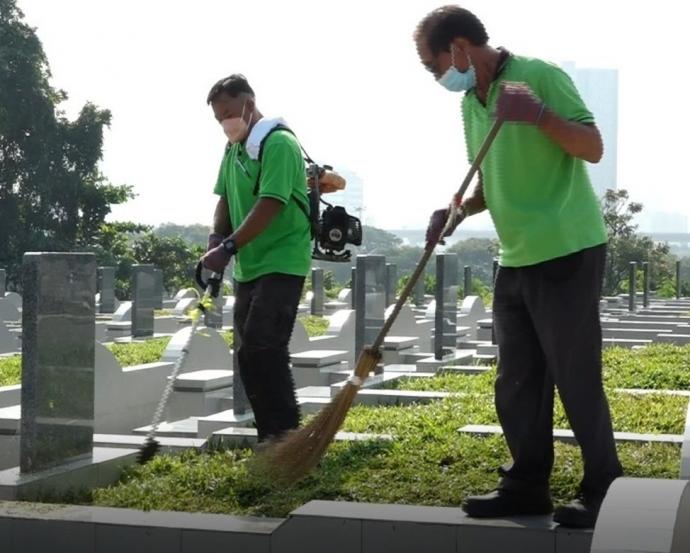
x=582 y=512
x=503 y=503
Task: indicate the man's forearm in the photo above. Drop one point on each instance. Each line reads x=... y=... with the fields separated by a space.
x=577 y=139
x=257 y=221
x=475 y=203
x=221 y=219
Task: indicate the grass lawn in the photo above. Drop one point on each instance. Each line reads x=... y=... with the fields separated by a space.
x=427 y=463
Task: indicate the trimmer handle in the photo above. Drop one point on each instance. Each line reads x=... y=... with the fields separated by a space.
x=214 y=281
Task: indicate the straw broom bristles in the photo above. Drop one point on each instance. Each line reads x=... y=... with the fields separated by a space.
x=294 y=456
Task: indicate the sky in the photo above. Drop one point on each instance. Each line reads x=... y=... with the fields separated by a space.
x=346 y=77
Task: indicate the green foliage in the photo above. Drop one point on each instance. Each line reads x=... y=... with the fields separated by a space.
x=52 y=195
x=315 y=326
x=428 y=463
x=139 y=353
x=175 y=257
x=10 y=370
x=626 y=245
x=478 y=253
x=655 y=367
x=194 y=235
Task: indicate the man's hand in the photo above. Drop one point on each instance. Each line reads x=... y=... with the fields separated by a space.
x=517 y=103
x=216 y=259
x=438 y=220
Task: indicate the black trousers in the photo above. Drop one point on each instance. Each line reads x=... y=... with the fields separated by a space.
x=546 y=321
x=264 y=316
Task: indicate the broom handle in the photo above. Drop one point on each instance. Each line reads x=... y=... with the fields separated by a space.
x=493 y=131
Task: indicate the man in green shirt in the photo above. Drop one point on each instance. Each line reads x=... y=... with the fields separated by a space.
x=546 y=299
x=260 y=220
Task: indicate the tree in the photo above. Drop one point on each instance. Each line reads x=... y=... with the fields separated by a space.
x=52 y=194
x=479 y=254
x=174 y=256
x=196 y=235
x=626 y=245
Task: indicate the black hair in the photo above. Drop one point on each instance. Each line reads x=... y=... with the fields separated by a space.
x=233 y=86
x=442 y=25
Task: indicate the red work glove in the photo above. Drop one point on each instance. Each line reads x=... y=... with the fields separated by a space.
x=216 y=259
x=517 y=103
x=214 y=239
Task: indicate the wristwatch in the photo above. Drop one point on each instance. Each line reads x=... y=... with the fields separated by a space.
x=229 y=246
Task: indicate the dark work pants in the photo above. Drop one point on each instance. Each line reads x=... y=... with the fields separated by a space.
x=264 y=316
x=546 y=320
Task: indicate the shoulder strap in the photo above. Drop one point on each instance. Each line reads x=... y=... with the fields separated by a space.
x=307 y=158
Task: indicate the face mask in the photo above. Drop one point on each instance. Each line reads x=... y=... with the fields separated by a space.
x=455 y=80
x=236 y=128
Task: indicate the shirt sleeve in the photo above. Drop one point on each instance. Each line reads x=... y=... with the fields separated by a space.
x=282 y=167
x=559 y=93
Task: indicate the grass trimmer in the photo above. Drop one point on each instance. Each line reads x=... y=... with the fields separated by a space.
x=211 y=289
x=293 y=456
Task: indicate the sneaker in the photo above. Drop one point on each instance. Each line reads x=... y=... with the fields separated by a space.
x=503 y=503
x=582 y=512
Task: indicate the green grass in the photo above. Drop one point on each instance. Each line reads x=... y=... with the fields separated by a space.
x=10 y=370
x=139 y=353
x=315 y=326
x=658 y=366
x=427 y=463
x=425 y=467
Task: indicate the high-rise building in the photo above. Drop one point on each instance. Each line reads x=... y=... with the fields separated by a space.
x=352 y=198
x=599 y=90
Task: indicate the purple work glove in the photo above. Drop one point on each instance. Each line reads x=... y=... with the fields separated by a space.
x=214 y=239
x=438 y=221
x=517 y=103
x=216 y=259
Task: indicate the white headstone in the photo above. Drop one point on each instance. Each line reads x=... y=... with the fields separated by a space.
x=123 y=313
x=8 y=312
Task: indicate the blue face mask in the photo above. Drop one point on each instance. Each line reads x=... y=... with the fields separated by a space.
x=455 y=80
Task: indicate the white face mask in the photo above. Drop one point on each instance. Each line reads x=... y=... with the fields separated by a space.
x=236 y=128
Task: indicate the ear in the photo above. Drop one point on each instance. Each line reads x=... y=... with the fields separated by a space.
x=251 y=104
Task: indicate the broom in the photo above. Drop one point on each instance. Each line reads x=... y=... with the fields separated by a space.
x=292 y=457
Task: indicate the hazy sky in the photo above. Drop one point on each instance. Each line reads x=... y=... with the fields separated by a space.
x=346 y=77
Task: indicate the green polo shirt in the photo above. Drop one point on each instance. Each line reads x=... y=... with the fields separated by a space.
x=284 y=246
x=540 y=198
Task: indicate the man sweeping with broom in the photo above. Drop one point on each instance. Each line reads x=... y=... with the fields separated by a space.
x=546 y=300
x=260 y=221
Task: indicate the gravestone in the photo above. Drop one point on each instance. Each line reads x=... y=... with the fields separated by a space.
x=57 y=359
x=353 y=287
x=677 y=280
x=445 y=320
x=645 y=284
x=158 y=292
x=143 y=300
x=317 y=299
x=632 y=286
x=467 y=281
x=391 y=282
x=106 y=287
x=370 y=299
x=3 y=283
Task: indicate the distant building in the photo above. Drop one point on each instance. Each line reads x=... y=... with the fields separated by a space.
x=599 y=90
x=352 y=198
